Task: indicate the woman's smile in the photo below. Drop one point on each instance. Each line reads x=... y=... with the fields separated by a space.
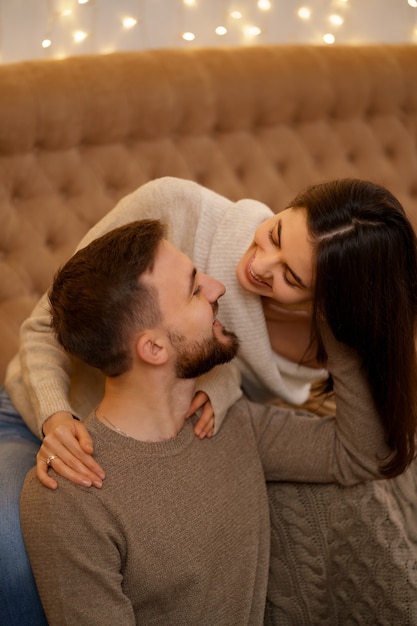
x=253 y=276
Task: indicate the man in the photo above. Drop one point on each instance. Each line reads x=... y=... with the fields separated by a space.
x=179 y=532
x=165 y=542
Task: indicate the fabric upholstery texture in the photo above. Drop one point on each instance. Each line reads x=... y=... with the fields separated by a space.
x=78 y=134
x=264 y=122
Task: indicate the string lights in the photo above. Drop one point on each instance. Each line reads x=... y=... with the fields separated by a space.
x=99 y=26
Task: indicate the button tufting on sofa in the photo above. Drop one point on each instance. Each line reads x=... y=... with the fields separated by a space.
x=78 y=134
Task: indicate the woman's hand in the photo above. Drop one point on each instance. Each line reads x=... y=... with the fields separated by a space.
x=205 y=425
x=70 y=448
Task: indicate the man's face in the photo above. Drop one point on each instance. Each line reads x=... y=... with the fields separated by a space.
x=188 y=302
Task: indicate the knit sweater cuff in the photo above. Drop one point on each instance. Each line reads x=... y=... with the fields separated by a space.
x=222 y=385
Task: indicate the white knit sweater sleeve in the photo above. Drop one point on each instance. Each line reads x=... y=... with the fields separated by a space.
x=223 y=387
x=39 y=379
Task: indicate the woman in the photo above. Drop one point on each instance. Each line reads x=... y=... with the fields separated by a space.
x=366 y=289
x=344 y=251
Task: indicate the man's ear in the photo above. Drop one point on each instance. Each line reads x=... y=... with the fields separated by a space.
x=151 y=347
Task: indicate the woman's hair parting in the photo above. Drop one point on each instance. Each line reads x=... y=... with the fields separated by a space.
x=98 y=300
x=366 y=289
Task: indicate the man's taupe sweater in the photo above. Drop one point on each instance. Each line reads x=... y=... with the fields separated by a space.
x=179 y=532
x=178 y=535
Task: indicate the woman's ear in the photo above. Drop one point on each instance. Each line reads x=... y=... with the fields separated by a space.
x=151 y=347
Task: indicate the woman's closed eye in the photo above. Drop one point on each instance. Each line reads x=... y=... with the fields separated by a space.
x=289 y=282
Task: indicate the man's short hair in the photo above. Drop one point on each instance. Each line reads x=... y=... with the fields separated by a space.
x=98 y=300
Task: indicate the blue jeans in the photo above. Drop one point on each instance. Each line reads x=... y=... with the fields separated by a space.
x=19 y=600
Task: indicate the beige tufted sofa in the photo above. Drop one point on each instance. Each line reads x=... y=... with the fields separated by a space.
x=78 y=134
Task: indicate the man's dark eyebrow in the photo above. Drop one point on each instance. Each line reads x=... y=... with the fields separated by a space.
x=192 y=281
x=293 y=274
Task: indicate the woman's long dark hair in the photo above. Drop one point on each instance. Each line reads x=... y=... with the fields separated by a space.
x=366 y=289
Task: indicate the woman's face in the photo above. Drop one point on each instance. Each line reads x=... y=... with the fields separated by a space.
x=279 y=262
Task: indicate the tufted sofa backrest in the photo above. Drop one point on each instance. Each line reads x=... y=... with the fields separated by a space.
x=78 y=134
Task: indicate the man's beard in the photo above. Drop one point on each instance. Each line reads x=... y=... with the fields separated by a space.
x=195 y=358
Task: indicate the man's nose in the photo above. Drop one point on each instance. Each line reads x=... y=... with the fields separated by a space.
x=214 y=289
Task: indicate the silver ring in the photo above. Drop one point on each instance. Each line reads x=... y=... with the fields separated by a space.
x=50 y=459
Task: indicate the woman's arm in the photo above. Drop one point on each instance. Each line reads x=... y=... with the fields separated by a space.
x=39 y=382
x=42 y=375
x=347 y=448
x=46 y=384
